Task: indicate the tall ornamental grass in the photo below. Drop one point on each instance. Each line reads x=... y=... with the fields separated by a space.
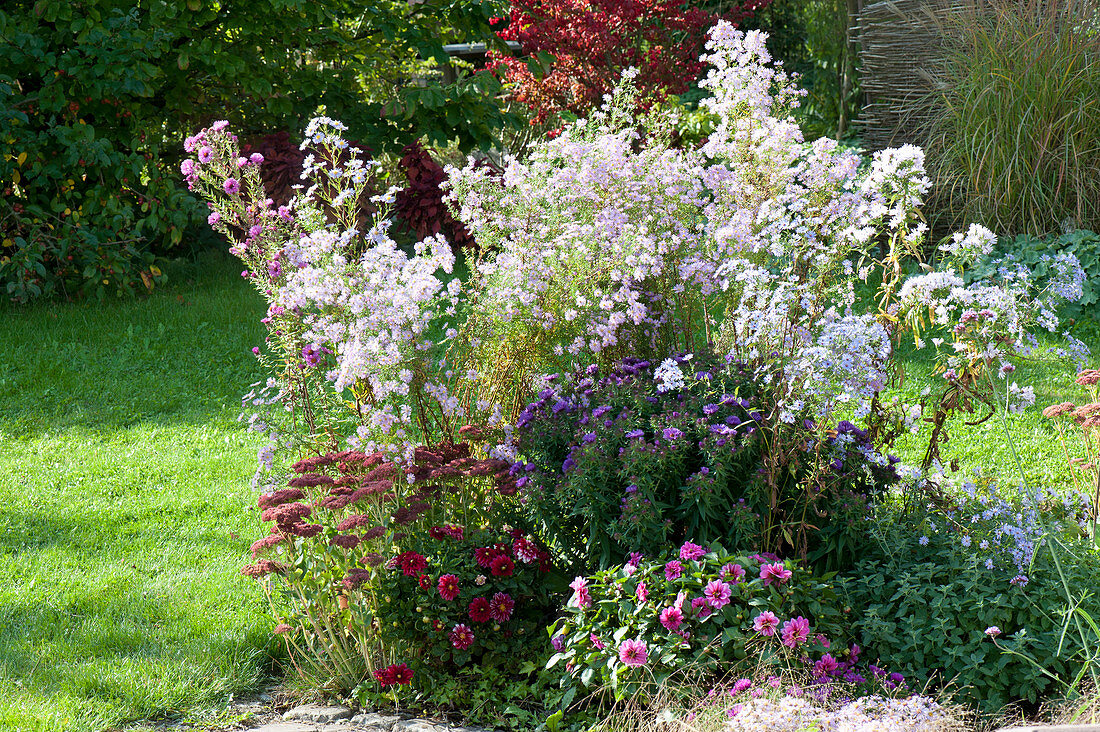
x=1014 y=137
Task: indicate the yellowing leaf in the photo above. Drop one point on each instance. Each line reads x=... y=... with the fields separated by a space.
x=155 y=270
x=22 y=158
x=15 y=176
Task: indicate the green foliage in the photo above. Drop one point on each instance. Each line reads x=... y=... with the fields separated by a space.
x=626 y=603
x=925 y=610
x=1015 y=137
x=95 y=96
x=485 y=696
x=1035 y=253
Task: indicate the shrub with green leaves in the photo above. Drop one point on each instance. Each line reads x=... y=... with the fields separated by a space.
x=941 y=584
x=96 y=94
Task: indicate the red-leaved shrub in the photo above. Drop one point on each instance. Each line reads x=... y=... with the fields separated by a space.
x=593 y=41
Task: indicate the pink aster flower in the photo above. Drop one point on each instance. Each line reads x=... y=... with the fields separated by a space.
x=774 y=574
x=673 y=570
x=580 y=597
x=718 y=594
x=213 y=218
x=221 y=124
x=187 y=167
x=231 y=186
x=448 y=587
x=993 y=631
x=256 y=158
x=462 y=637
x=633 y=652
x=795 y=631
x=206 y=154
x=690 y=552
x=672 y=617
x=765 y=623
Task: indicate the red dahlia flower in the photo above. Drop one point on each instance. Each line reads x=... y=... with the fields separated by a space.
x=502 y=566
x=448 y=587
x=479 y=610
x=462 y=637
x=500 y=607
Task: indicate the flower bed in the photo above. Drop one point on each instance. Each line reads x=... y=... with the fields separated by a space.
x=655 y=352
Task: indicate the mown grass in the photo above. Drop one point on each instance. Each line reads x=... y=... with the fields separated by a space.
x=985 y=446
x=128 y=512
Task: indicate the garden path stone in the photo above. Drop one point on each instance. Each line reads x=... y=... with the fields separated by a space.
x=317 y=713
x=373 y=721
x=415 y=725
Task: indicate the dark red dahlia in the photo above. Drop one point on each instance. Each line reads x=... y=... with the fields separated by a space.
x=479 y=610
x=502 y=566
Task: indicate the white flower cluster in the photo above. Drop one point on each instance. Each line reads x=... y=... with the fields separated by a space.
x=668 y=376
x=967 y=248
x=604 y=242
x=866 y=714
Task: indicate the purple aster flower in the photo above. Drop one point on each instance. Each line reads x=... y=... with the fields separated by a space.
x=312 y=354
x=635 y=434
x=256 y=158
x=231 y=186
x=672 y=434
x=213 y=218
x=206 y=154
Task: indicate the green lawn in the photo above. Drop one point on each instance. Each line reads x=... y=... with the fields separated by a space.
x=984 y=446
x=129 y=507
